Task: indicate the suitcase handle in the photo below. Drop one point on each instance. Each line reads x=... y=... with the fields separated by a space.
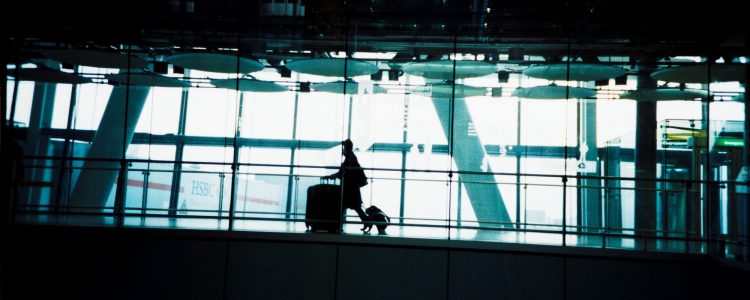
x=327 y=180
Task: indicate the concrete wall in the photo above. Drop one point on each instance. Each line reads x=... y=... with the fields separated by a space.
x=142 y=264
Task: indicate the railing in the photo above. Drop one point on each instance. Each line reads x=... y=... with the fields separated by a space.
x=549 y=206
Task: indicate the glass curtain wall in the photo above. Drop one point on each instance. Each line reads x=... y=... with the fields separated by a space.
x=462 y=134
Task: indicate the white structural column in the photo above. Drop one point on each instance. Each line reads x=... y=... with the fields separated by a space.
x=645 y=161
x=116 y=129
x=590 y=202
x=485 y=199
x=37 y=144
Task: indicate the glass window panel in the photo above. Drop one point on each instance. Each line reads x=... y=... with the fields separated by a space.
x=10 y=86
x=161 y=113
x=211 y=112
x=377 y=118
x=615 y=120
x=495 y=120
x=424 y=126
x=90 y=105
x=322 y=117
x=268 y=115
x=24 y=98
x=91 y=99
x=62 y=105
x=541 y=197
x=260 y=193
x=209 y=154
x=506 y=185
x=687 y=110
x=205 y=188
x=384 y=189
x=426 y=193
x=155 y=176
x=628 y=195
x=548 y=122
x=263 y=188
x=326 y=160
x=727 y=110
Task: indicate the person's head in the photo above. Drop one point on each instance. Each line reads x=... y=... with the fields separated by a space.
x=348 y=145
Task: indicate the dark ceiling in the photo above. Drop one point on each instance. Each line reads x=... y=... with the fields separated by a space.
x=548 y=28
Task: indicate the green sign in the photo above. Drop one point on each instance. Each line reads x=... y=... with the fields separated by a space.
x=729 y=142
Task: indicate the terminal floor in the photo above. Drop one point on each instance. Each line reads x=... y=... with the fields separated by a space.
x=394 y=231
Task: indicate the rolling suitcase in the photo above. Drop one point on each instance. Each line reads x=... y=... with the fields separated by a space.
x=323 y=208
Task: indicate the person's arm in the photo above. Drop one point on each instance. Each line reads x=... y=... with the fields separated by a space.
x=338 y=174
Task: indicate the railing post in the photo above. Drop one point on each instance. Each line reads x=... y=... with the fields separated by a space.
x=221 y=194
x=144 y=198
x=296 y=196
x=564 y=209
x=687 y=216
x=448 y=218
x=605 y=218
x=458 y=204
x=121 y=193
x=232 y=196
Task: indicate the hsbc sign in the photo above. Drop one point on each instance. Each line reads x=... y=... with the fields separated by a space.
x=204 y=189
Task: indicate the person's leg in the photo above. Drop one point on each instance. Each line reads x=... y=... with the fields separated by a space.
x=361 y=213
x=353 y=200
x=366 y=225
x=343 y=219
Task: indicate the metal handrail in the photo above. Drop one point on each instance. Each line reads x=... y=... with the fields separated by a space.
x=228 y=164
x=120 y=212
x=510 y=229
x=593 y=230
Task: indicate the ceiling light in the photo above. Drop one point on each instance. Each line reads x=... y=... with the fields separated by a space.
x=375 y=55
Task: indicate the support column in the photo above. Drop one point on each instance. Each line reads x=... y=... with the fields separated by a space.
x=114 y=134
x=235 y=162
x=518 y=166
x=65 y=170
x=404 y=153
x=590 y=214
x=174 y=194
x=711 y=198
x=613 y=204
x=485 y=199
x=645 y=161
x=292 y=180
x=38 y=144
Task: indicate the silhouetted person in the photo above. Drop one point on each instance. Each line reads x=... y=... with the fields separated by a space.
x=352 y=178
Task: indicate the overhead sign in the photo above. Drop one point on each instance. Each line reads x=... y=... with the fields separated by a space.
x=729 y=142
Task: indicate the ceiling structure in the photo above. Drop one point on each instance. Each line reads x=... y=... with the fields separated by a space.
x=414 y=29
